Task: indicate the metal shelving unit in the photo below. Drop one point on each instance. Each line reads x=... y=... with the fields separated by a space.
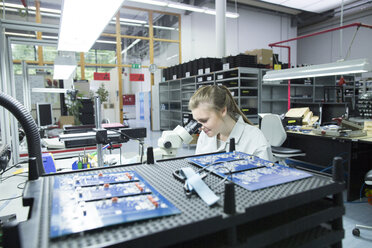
x=242 y=82
x=274 y=96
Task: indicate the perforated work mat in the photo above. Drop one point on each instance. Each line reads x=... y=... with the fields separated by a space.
x=196 y=217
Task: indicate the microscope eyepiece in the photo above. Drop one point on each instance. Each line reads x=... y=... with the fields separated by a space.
x=192 y=127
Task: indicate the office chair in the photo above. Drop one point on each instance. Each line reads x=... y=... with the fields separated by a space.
x=273 y=130
x=368 y=181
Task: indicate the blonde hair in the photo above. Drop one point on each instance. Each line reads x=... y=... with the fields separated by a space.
x=218 y=97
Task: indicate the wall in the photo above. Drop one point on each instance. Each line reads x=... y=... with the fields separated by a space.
x=253 y=29
x=324 y=48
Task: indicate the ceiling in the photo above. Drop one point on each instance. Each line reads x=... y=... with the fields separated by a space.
x=300 y=18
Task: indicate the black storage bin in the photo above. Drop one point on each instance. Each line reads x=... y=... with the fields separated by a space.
x=249 y=110
x=229 y=84
x=180 y=73
x=200 y=65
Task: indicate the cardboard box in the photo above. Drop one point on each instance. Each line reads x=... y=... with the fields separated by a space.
x=264 y=56
x=66 y=120
x=297 y=112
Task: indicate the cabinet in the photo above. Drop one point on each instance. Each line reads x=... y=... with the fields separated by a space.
x=170 y=104
x=274 y=96
x=174 y=95
x=243 y=84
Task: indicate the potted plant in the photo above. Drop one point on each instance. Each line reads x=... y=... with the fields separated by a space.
x=73 y=108
x=102 y=93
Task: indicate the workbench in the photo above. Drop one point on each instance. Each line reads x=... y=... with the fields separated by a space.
x=321 y=149
x=303 y=213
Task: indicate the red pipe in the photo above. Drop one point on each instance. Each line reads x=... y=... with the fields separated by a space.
x=289 y=66
x=355 y=24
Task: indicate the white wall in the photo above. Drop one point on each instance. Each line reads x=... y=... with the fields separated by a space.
x=252 y=30
x=324 y=48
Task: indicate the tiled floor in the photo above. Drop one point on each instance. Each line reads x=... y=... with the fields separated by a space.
x=356 y=212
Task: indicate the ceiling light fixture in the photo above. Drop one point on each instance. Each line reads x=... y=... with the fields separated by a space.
x=130 y=46
x=330 y=69
x=80 y=34
x=172 y=57
x=309 y=5
x=183 y=6
x=64 y=66
x=131 y=20
x=152 y=2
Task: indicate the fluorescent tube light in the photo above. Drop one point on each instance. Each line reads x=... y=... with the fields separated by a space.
x=330 y=69
x=153 y=2
x=172 y=57
x=83 y=21
x=64 y=66
x=49 y=90
x=210 y=11
x=130 y=46
x=186 y=7
x=106 y=41
x=232 y=15
x=228 y=14
x=310 y=5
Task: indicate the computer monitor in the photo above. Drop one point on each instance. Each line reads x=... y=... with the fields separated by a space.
x=333 y=110
x=44 y=114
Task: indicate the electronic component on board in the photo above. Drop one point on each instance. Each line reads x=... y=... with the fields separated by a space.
x=248 y=171
x=89 y=200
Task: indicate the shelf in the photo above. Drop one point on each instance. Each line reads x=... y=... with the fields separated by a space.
x=227 y=79
x=275 y=100
x=248 y=78
x=188 y=91
x=302 y=85
x=264 y=84
x=248 y=88
x=299 y=97
x=247 y=97
x=188 y=84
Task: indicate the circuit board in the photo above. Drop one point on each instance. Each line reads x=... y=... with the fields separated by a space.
x=93 y=200
x=248 y=171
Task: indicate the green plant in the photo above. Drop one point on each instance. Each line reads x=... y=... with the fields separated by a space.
x=102 y=93
x=73 y=108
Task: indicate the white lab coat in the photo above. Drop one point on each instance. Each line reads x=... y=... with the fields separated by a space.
x=248 y=139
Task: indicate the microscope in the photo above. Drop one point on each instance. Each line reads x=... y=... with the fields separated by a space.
x=170 y=141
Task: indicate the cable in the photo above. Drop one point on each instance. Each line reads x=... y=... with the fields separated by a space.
x=139 y=140
x=360 y=192
x=18 y=186
x=352 y=41
x=12 y=198
x=5 y=178
x=330 y=165
x=11 y=167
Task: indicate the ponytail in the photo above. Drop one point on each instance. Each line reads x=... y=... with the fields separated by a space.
x=219 y=97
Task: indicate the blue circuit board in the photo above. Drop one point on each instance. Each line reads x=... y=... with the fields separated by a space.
x=248 y=171
x=119 y=197
x=225 y=163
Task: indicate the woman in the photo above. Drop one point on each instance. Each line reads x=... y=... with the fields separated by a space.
x=221 y=119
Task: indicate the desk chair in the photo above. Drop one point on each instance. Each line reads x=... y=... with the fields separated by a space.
x=272 y=128
x=368 y=181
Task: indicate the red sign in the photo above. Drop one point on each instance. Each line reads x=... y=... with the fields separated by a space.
x=129 y=99
x=101 y=76
x=136 y=77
